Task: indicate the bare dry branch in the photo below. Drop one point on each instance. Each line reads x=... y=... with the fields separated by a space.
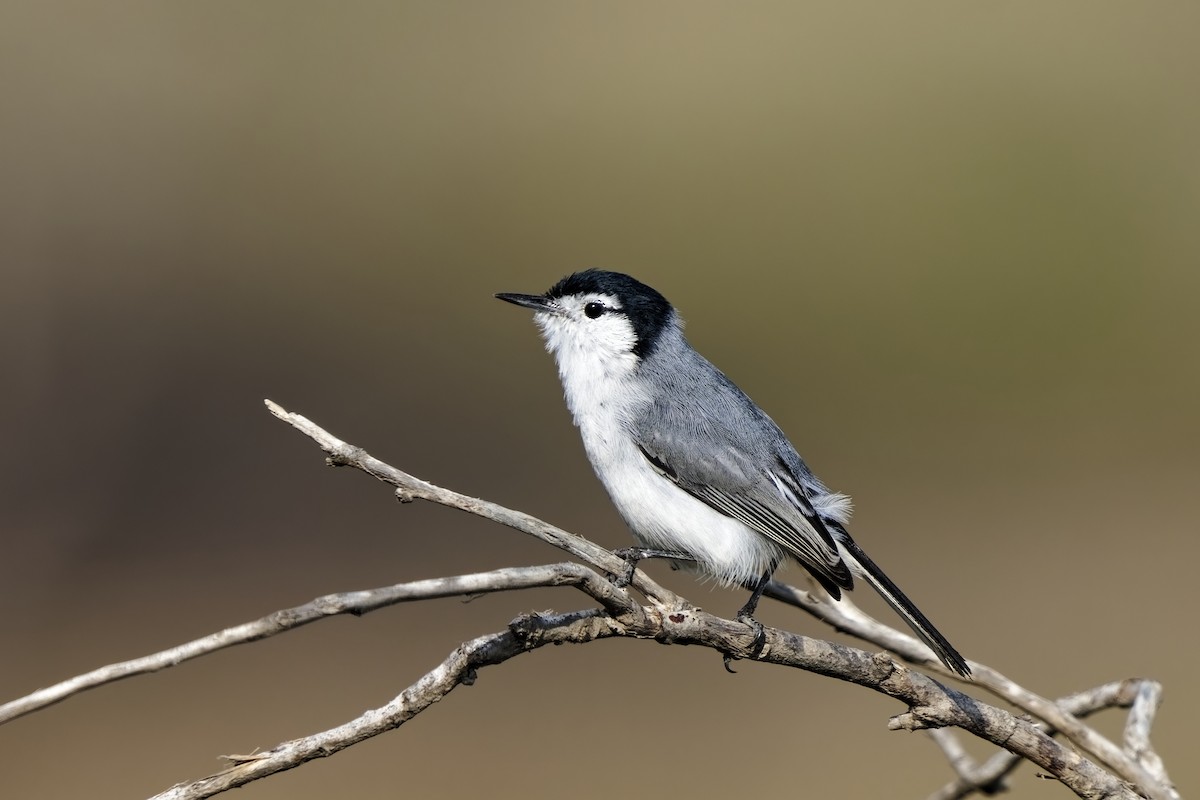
x=669 y=619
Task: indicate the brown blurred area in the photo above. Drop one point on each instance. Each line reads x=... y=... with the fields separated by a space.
x=952 y=248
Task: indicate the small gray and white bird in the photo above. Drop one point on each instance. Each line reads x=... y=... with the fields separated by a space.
x=696 y=469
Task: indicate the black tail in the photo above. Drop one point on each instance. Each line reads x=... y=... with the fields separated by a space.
x=895 y=598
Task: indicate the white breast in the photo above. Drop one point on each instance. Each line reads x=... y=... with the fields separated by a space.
x=659 y=513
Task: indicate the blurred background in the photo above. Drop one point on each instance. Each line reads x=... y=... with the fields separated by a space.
x=952 y=248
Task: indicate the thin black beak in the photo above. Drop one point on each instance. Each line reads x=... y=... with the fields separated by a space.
x=535 y=301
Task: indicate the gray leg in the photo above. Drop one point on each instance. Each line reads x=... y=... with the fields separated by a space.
x=746 y=614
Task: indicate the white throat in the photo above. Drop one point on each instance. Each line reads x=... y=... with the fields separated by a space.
x=596 y=364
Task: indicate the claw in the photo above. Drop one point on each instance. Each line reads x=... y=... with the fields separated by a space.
x=760 y=634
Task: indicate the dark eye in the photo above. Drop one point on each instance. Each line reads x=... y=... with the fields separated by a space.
x=594 y=309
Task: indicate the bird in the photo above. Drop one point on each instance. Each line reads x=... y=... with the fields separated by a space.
x=699 y=473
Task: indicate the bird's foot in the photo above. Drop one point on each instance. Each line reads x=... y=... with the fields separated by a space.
x=760 y=640
x=632 y=555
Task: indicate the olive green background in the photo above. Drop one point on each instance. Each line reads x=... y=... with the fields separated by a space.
x=951 y=247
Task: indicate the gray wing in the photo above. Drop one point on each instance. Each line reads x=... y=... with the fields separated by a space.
x=745 y=470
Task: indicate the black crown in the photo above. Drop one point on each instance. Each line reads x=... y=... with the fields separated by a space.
x=647 y=310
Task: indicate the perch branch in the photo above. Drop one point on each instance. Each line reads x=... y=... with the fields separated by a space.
x=668 y=619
